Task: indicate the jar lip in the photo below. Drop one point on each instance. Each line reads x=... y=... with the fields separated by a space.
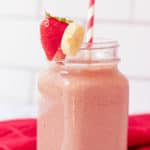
x=101 y=43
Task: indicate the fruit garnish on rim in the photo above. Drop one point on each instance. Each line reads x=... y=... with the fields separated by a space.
x=51 y=32
x=72 y=39
x=60 y=37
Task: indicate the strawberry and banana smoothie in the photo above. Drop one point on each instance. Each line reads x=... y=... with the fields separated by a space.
x=83 y=109
x=84 y=98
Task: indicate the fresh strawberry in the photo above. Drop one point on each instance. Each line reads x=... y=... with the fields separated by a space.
x=51 y=31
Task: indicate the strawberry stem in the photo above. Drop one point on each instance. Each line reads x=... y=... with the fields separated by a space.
x=47 y=14
x=61 y=19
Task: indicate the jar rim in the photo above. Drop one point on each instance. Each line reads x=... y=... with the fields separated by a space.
x=100 y=43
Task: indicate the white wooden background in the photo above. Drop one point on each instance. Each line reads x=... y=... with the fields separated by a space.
x=21 y=55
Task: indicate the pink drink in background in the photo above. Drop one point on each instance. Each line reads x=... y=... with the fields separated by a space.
x=84 y=103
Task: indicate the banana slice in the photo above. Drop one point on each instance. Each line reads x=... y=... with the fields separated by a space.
x=72 y=39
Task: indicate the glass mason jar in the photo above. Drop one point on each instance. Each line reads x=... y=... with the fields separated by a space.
x=84 y=102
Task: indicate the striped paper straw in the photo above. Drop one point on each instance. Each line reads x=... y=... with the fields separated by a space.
x=90 y=27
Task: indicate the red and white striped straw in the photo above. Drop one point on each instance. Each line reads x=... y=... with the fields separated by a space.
x=91 y=17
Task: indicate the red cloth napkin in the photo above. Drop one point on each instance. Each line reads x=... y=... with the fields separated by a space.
x=21 y=134
x=139 y=132
x=18 y=134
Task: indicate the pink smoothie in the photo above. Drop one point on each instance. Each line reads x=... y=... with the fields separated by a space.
x=83 y=108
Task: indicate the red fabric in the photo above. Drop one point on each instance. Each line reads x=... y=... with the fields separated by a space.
x=18 y=135
x=21 y=134
x=139 y=132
